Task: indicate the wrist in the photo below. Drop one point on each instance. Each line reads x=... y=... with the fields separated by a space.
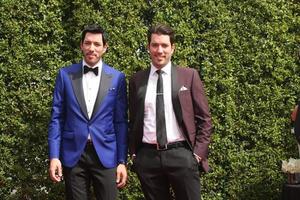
x=121 y=163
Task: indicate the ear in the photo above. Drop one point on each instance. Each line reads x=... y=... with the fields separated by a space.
x=105 y=48
x=173 y=48
x=81 y=46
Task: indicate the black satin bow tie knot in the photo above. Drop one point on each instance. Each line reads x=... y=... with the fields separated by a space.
x=87 y=69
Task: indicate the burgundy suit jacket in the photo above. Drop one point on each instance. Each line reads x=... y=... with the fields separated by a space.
x=190 y=106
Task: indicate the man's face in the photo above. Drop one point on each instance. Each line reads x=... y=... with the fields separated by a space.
x=160 y=50
x=92 y=48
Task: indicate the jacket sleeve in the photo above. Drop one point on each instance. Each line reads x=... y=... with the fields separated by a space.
x=57 y=120
x=121 y=121
x=202 y=117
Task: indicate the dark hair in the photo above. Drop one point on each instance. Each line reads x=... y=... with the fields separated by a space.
x=161 y=29
x=94 y=28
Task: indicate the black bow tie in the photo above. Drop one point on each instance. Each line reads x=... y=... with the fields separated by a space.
x=87 y=69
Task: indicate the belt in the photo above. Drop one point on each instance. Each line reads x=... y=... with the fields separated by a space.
x=166 y=146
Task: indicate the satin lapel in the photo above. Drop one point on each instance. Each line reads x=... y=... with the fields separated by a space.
x=175 y=90
x=76 y=79
x=105 y=83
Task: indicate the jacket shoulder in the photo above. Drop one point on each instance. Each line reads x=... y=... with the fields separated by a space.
x=186 y=71
x=140 y=74
x=71 y=68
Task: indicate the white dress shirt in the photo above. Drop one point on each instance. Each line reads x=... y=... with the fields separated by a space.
x=173 y=131
x=90 y=83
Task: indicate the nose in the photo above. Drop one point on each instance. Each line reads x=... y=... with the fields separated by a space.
x=92 y=47
x=160 y=49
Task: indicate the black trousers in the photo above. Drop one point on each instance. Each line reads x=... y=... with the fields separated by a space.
x=89 y=171
x=175 y=168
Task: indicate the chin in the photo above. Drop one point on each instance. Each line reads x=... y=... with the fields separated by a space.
x=160 y=65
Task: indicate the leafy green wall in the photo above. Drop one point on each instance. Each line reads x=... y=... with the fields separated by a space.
x=246 y=51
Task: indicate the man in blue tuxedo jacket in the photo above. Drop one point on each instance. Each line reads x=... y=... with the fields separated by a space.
x=87 y=133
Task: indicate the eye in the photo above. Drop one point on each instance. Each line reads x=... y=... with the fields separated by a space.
x=98 y=44
x=87 y=43
x=154 y=45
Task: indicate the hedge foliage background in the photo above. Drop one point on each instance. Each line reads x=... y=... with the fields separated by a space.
x=246 y=51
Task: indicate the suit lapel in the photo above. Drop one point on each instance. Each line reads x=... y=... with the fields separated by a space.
x=76 y=79
x=141 y=95
x=175 y=89
x=105 y=83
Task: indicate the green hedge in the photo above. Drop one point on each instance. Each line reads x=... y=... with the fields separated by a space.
x=247 y=53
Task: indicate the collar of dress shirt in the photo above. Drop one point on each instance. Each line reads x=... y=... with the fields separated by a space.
x=166 y=69
x=99 y=64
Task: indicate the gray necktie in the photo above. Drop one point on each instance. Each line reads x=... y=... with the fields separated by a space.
x=161 y=134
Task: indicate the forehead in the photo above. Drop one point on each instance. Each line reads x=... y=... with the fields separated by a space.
x=93 y=37
x=160 y=38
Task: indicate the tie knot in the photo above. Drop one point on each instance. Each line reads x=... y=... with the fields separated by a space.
x=87 y=69
x=159 y=72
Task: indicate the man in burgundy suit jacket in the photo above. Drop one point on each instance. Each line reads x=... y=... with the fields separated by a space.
x=186 y=123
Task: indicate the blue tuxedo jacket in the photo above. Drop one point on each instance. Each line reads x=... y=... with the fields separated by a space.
x=69 y=126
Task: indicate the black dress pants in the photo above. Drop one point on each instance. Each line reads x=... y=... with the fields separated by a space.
x=89 y=171
x=159 y=170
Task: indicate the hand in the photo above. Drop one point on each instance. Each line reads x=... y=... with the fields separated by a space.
x=121 y=176
x=294 y=113
x=55 y=170
x=198 y=158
